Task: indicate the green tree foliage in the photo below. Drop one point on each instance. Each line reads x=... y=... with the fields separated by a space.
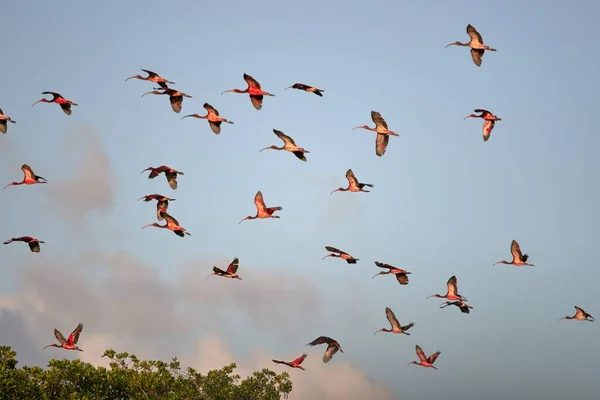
x=131 y=378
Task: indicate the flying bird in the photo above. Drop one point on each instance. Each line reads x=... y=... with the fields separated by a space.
x=426 y=362
x=152 y=77
x=489 y=121
x=254 y=90
x=34 y=244
x=231 y=270
x=306 y=88
x=214 y=120
x=3 y=120
x=162 y=203
x=340 y=254
x=262 y=211
x=401 y=275
x=396 y=327
x=580 y=315
x=293 y=364
x=30 y=177
x=452 y=292
x=332 y=346
x=171 y=224
x=58 y=99
x=288 y=145
x=383 y=133
x=175 y=97
x=71 y=343
x=353 y=184
x=519 y=259
x=170 y=174
x=464 y=307
x=476 y=45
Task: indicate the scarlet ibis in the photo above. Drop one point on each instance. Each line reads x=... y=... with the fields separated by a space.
x=489 y=121
x=383 y=133
x=170 y=174
x=3 y=120
x=288 y=145
x=231 y=270
x=295 y=363
x=261 y=209
x=214 y=120
x=452 y=291
x=396 y=327
x=34 y=244
x=426 y=362
x=162 y=203
x=464 y=307
x=353 y=184
x=401 y=275
x=152 y=77
x=306 y=88
x=30 y=177
x=58 y=99
x=340 y=254
x=69 y=344
x=476 y=45
x=175 y=97
x=171 y=224
x=519 y=259
x=580 y=315
x=332 y=346
x=254 y=90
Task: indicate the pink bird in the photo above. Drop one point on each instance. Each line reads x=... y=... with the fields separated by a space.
x=293 y=364
x=254 y=90
x=489 y=121
x=171 y=224
x=426 y=362
x=353 y=184
x=162 y=203
x=34 y=244
x=152 y=77
x=69 y=344
x=383 y=133
x=401 y=275
x=213 y=117
x=262 y=211
x=170 y=174
x=452 y=292
x=306 y=88
x=476 y=45
x=519 y=259
x=58 y=99
x=332 y=347
x=580 y=315
x=30 y=177
x=175 y=97
x=231 y=270
x=396 y=327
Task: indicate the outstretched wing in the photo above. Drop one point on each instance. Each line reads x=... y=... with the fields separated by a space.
x=34 y=246
x=488 y=126
x=259 y=201
x=210 y=109
x=172 y=179
x=176 y=103
x=334 y=250
x=472 y=32
x=256 y=100
x=170 y=218
x=74 y=336
x=402 y=278
x=233 y=267
x=331 y=350
x=219 y=271
x=215 y=126
x=251 y=81
x=515 y=249
x=420 y=353
x=392 y=317
x=433 y=357
x=351 y=177
x=321 y=340
x=378 y=119
x=300 y=359
x=59 y=336
x=284 y=137
x=29 y=174
x=476 y=55
x=452 y=285
x=383 y=265
x=381 y=144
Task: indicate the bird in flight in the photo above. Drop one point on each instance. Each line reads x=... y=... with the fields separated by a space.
x=152 y=77
x=171 y=224
x=162 y=203
x=262 y=211
x=64 y=104
x=519 y=259
x=401 y=275
x=476 y=45
x=69 y=344
x=353 y=184
x=30 y=177
x=34 y=244
x=489 y=121
x=175 y=97
x=452 y=292
x=383 y=133
x=3 y=120
x=580 y=315
x=295 y=363
x=288 y=145
x=213 y=117
x=340 y=254
x=396 y=327
x=231 y=270
x=464 y=307
x=306 y=88
x=332 y=347
x=254 y=90
x=426 y=362
x=170 y=174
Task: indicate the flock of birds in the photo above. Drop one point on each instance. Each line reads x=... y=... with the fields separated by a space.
x=215 y=121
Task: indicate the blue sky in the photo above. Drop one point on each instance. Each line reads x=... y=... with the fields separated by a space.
x=444 y=203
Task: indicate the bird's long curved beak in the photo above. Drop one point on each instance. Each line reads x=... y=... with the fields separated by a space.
x=145 y=226
x=147 y=169
x=356 y=127
x=39 y=101
x=6 y=186
x=289 y=87
x=434 y=367
x=145 y=94
x=50 y=345
x=264 y=149
x=378 y=331
x=325 y=257
x=430 y=296
x=468 y=116
x=129 y=78
x=230 y=90
x=562 y=318
x=375 y=275
x=185 y=116
x=449 y=44
x=243 y=220
x=333 y=191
